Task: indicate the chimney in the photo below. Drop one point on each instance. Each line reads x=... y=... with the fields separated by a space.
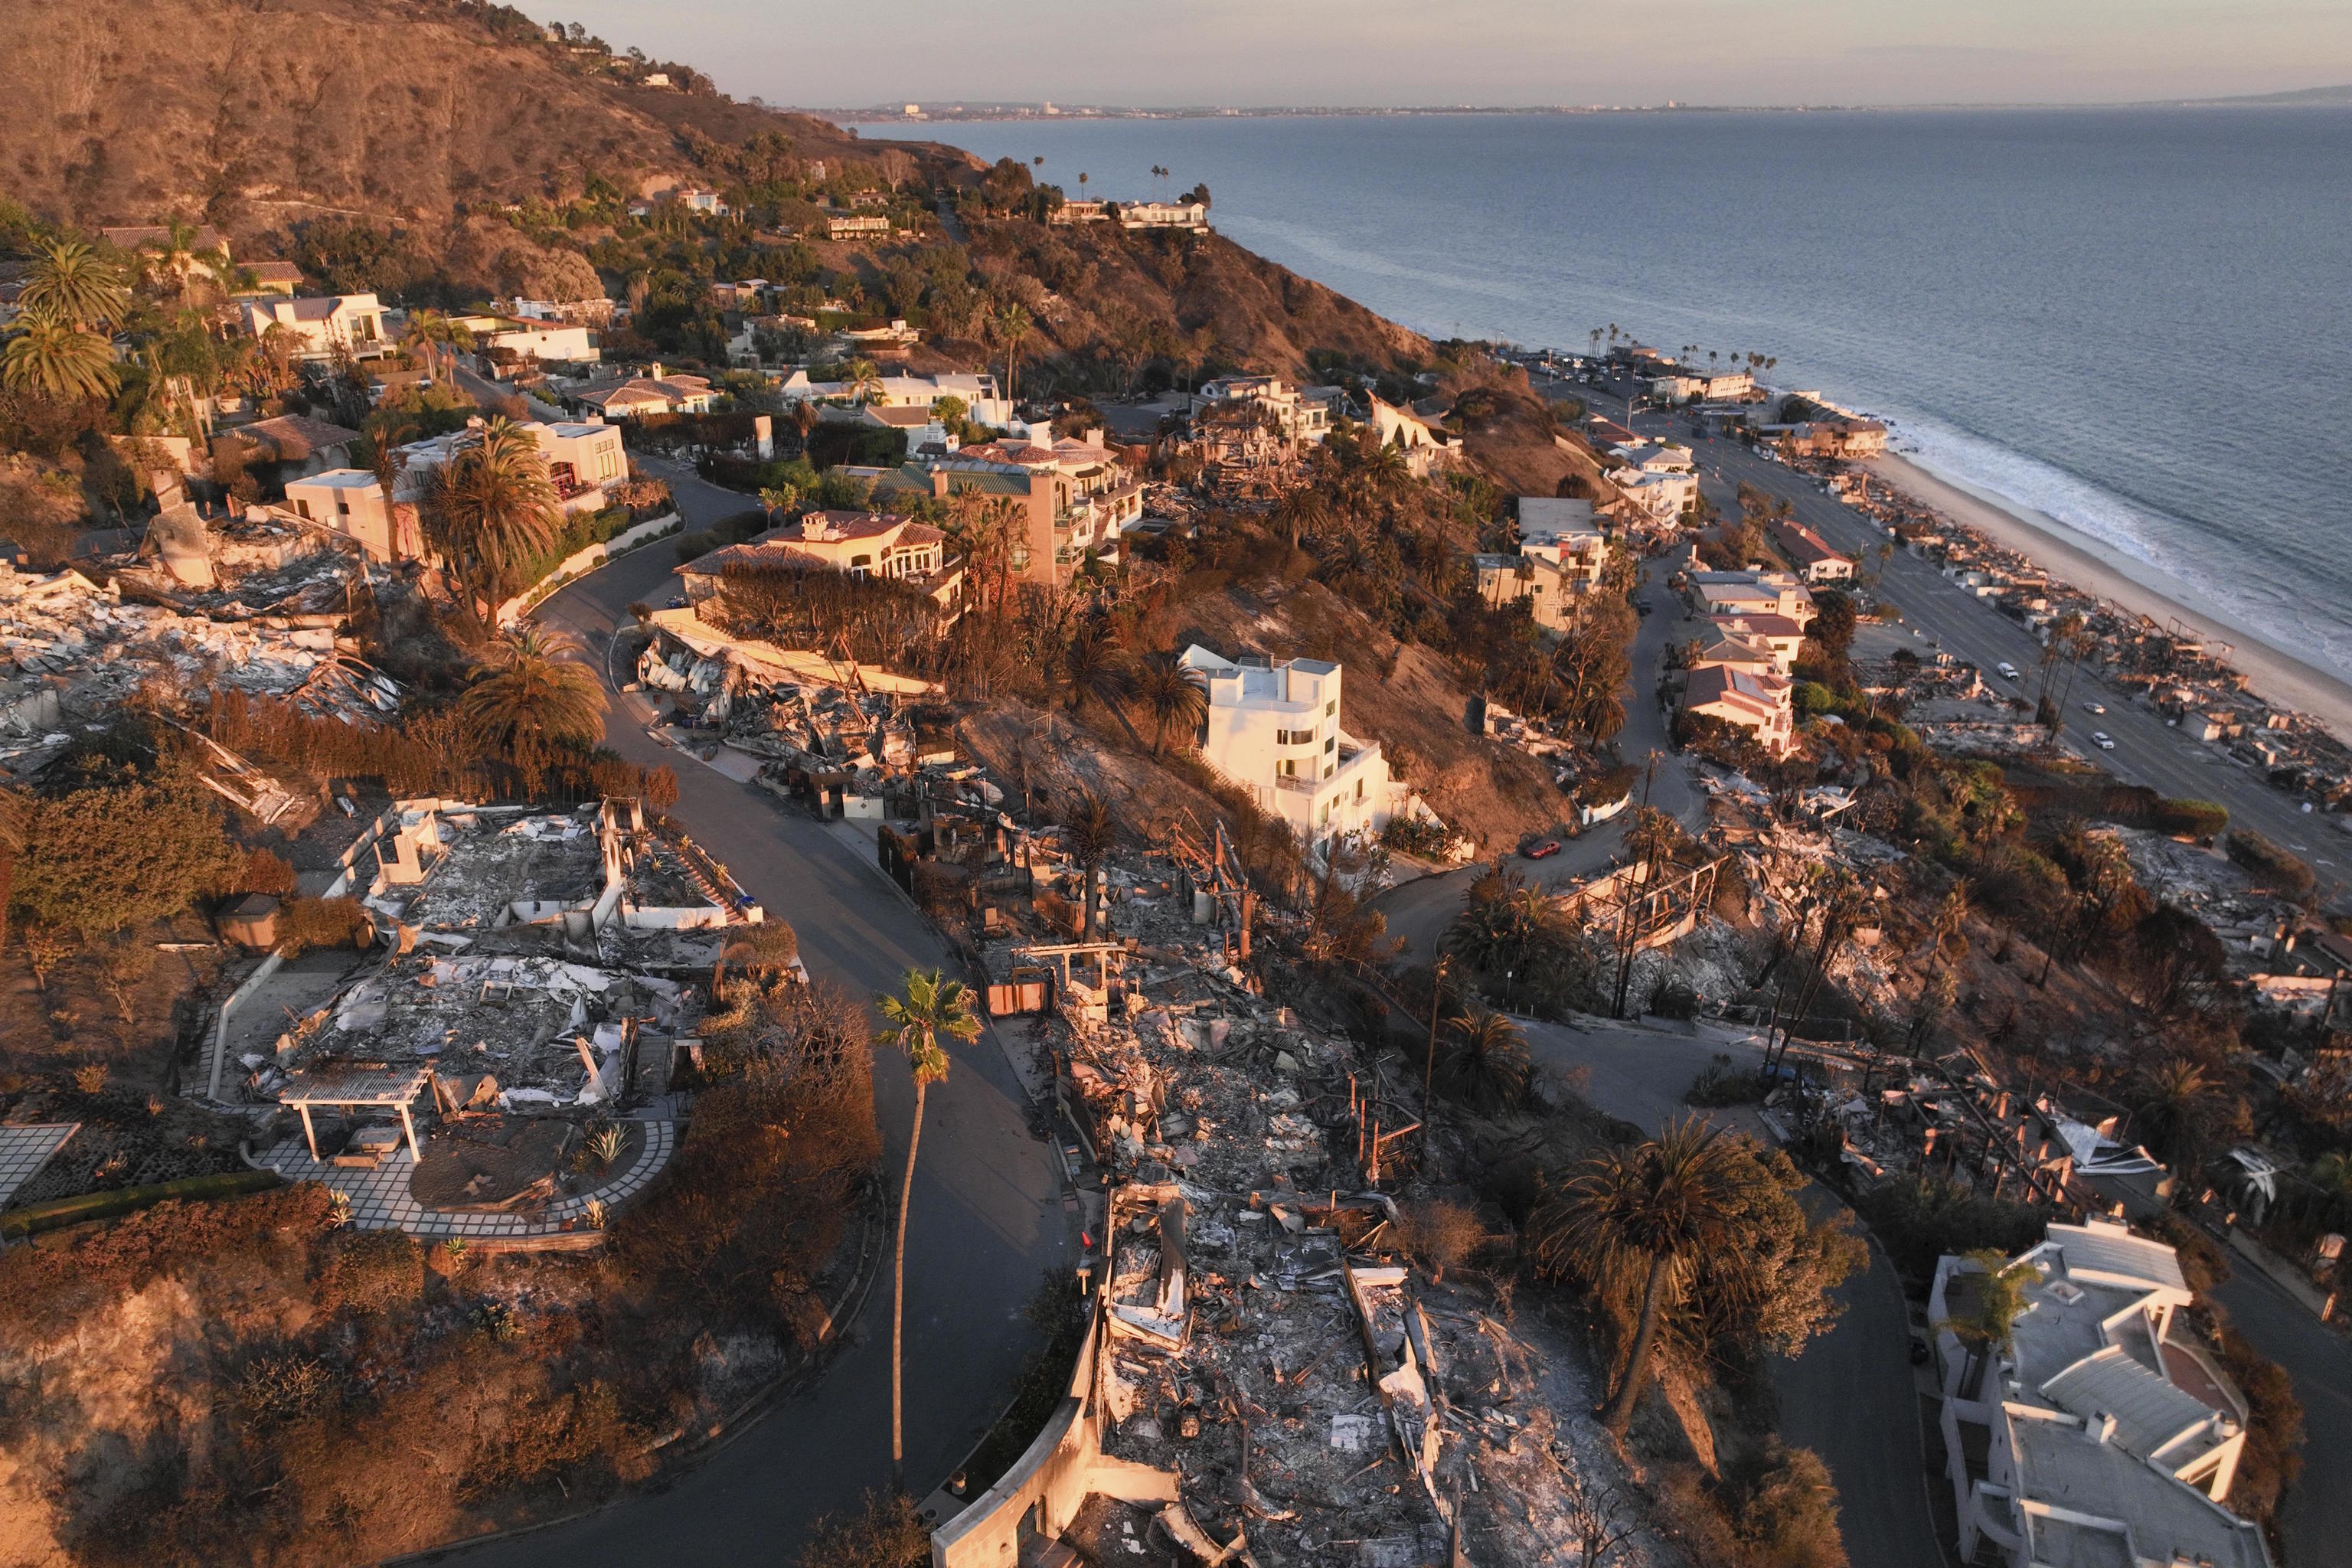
x=939 y=483
x=2103 y=1428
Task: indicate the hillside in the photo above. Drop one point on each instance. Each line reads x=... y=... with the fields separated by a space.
x=258 y=113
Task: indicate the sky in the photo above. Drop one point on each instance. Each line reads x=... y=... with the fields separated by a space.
x=1410 y=53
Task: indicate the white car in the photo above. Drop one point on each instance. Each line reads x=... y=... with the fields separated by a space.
x=2008 y=671
x=2094 y=706
x=2100 y=739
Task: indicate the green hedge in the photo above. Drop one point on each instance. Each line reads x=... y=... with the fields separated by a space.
x=58 y=1213
x=2270 y=864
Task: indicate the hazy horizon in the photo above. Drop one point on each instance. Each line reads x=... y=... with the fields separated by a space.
x=1314 y=54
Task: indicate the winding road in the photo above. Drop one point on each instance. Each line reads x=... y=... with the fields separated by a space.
x=989 y=1216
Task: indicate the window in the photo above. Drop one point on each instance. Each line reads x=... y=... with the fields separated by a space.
x=302 y=509
x=1331 y=744
x=1331 y=709
x=1290 y=767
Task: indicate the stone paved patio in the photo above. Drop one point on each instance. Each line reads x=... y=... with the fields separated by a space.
x=24 y=1149
x=380 y=1199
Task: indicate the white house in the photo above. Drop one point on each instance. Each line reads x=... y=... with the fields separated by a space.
x=549 y=341
x=1810 y=553
x=1746 y=699
x=1562 y=553
x=323 y=323
x=1752 y=593
x=1299 y=414
x=980 y=398
x=584 y=459
x=350 y=501
x=1164 y=215
x=1424 y=445
x=1274 y=729
x=2104 y=1431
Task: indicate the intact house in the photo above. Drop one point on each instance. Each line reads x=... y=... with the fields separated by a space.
x=351 y=503
x=323 y=324
x=897 y=549
x=1810 y=553
x=1425 y=445
x=643 y=395
x=550 y=343
x=1300 y=414
x=696 y=200
x=1073 y=497
x=1661 y=479
x=1274 y=729
x=294 y=445
x=1688 y=387
x=978 y=393
x=1751 y=592
x=2103 y=1431
x=1745 y=699
x=857 y=226
x=1562 y=553
x=584 y=461
x=1838 y=437
x=278 y=278
x=1192 y=215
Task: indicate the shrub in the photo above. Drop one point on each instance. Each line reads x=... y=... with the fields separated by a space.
x=1438 y=1235
x=1921 y=1218
x=101 y=857
x=884 y=1533
x=2270 y=864
x=2273 y=1454
x=305 y=923
x=371 y=1271
x=1720 y=1083
x=2190 y=819
x=280 y=1385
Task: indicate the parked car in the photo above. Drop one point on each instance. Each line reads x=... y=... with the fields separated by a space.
x=1549 y=846
x=2100 y=739
x=2094 y=706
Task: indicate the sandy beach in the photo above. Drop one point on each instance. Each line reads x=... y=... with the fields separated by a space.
x=2273 y=673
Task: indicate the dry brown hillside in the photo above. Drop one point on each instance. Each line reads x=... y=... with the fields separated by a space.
x=1106 y=301
x=257 y=113
x=1399 y=694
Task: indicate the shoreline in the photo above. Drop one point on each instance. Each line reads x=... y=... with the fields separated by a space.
x=2271 y=673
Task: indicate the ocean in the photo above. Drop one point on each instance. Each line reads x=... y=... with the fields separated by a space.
x=2131 y=320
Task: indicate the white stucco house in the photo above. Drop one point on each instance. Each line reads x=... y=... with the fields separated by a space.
x=1274 y=729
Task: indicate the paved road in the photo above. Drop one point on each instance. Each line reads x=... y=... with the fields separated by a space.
x=1420 y=910
x=2316 y=1519
x=1950 y=618
x=1850 y=1397
x=988 y=1211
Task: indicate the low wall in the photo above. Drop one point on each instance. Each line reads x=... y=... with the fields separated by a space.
x=270 y=966
x=588 y=559
x=1057 y=1472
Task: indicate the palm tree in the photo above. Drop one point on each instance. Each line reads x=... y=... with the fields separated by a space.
x=1174 y=698
x=778 y=498
x=1486 y=1063
x=861 y=380
x=439 y=339
x=75 y=284
x=1986 y=1323
x=386 y=460
x=806 y=418
x=2169 y=1102
x=1013 y=324
x=53 y=357
x=1657 y=1207
x=1301 y=511
x=932 y=1007
x=175 y=257
x=490 y=509
x=1095 y=667
x=530 y=697
x=1090 y=832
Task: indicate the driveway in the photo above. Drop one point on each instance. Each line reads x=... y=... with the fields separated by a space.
x=1850 y=1397
x=989 y=1215
x=1420 y=910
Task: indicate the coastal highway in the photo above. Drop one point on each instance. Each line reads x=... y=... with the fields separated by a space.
x=1950 y=618
x=987 y=1210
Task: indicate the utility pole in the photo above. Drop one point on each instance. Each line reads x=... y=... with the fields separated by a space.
x=1428 y=1064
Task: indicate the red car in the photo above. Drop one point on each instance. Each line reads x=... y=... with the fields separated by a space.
x=1548 y=847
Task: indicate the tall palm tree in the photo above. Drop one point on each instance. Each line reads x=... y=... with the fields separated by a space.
x=531 y=696
x=437 y=339
x=1655 y=1208
x=1095 y=667
x=52 y=357
x=1986 y=1324
x=76 y=284
x=806 y=418
x=1090 y=831
x=1301 y=511
x=490 y=509
x=932 y=1007
x=1174 y=698
x=1013 y=324
x=1484 y=1063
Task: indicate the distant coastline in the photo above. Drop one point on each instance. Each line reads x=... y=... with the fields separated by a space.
x=965 y=113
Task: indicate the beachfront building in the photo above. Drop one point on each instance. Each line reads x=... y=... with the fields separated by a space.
x=2103 y=1431
x=1810 y=553
x=1274 y=729
x=1746 y=700
x=1660 y=479
x=1836 y=436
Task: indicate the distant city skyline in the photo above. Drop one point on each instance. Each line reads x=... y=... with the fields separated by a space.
x=1410 y=53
